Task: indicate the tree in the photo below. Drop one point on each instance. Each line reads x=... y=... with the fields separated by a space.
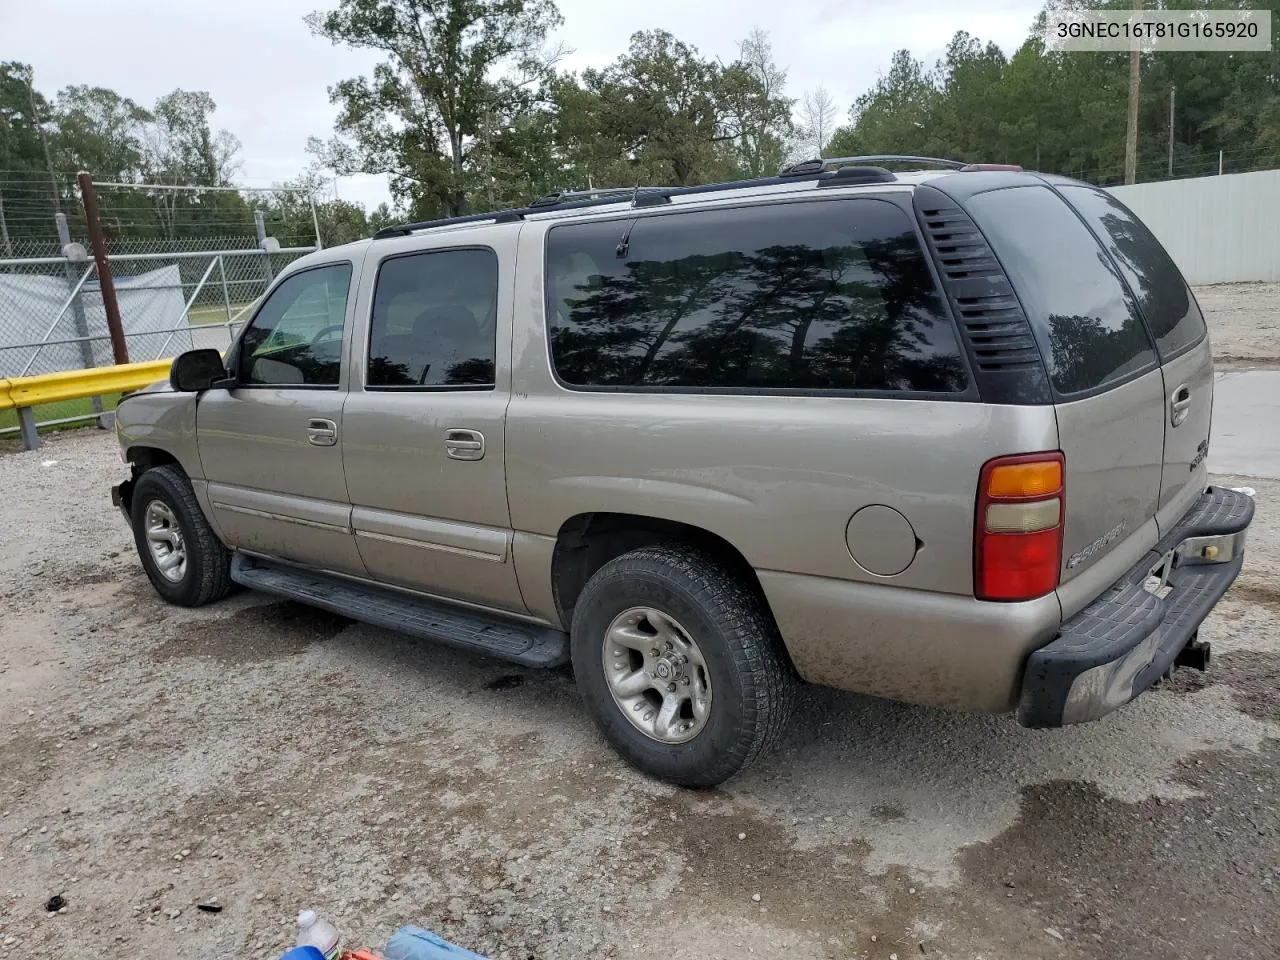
x=817 y=122
x=433 y=98
x=658 y=113
x=758 y=114
x=180 y=146
x=894 y=116
x=100 y=131
x=29 y=193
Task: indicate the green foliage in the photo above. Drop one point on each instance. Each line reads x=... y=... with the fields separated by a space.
x=433 y=98
x=1067 y=112
x=466 y=109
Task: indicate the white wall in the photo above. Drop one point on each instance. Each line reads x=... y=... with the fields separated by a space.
x=1218 y=229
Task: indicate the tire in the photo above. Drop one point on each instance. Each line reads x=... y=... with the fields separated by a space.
x=206 y=574
x=749 y=683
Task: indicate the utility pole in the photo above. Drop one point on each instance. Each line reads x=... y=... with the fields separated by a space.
x=1131 y=133
x=1172 y=92
x=48 y=157
x=115 y=328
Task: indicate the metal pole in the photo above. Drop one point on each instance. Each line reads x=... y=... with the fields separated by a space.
x=261 y=229
x=1219 y=163
x=1172 y=92
x=27 y=421
x=4 y=231
x=119 y=350
x=226 y=297
x=315 y=222
x=1131 y=133
x=77 y=301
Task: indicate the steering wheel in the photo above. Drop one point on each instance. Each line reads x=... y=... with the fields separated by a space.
x=320 y=335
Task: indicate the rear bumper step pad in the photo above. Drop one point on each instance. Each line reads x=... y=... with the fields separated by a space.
x=1123 y=642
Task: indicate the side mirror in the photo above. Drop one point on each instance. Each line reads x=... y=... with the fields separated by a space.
x=196 y=370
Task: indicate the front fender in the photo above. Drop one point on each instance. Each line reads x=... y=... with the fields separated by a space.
x=159 y=421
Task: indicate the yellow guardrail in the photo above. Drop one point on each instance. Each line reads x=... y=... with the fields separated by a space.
x=23 y=393
x=19 y=392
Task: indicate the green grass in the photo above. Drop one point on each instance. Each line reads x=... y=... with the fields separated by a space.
x=56 y=411
x=211 y=313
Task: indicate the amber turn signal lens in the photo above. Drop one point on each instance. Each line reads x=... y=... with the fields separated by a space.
x=1036 y=479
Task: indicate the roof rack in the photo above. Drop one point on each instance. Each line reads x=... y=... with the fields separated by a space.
x=564 y=196
x=650 y=196
x=835 y=163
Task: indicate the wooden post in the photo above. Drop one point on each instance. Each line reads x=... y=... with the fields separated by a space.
x=115 y=328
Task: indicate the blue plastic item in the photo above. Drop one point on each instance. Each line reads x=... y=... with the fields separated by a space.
x=414 y=943
x=303 y=953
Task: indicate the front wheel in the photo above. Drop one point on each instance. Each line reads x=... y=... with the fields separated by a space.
x=184 y=559
x=680 y=665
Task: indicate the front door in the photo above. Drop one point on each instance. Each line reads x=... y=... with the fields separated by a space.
x=270 y=445
x=423 y=433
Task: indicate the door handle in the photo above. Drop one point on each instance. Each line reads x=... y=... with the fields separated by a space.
x=322 y=433
x=464 y=444
x=1179 y=405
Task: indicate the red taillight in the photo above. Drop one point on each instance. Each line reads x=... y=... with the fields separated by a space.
x=1017 y=547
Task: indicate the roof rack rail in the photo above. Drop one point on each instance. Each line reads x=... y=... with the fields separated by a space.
x=565 y=196
x=644 y=196
x=834 y=163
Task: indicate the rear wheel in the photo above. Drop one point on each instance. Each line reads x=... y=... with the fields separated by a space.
x=680 y=665
x=184 y=559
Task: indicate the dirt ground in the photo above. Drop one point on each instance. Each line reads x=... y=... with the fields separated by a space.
x=1244 y=323
x=266 y=757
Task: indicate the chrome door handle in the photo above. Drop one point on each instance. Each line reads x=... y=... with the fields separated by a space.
x=322 y=433
x=1179 y=405
x=464 y=444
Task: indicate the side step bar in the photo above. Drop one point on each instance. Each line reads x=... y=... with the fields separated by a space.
x=490 y=635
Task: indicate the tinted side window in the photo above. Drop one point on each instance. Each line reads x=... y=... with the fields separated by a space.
x=1084 y=317
x=295 y=339
x=826 y=295
x=1167 y=304
x=435 y=320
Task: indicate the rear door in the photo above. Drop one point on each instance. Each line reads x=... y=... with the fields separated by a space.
x=424 y=426
x=1108 y=390
x=1175 y=321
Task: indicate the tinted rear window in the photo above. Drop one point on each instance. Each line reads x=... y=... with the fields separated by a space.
x=1083 y=315
x=1166 y=301
x=828 y=295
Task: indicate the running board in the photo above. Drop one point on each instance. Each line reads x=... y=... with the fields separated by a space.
x=461 y=627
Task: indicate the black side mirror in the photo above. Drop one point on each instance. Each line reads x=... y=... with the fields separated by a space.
x=196 y=370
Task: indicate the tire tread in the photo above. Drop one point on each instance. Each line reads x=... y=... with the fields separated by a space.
x=769 y=681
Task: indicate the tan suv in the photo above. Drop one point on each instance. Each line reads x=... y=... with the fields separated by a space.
x=936 y=435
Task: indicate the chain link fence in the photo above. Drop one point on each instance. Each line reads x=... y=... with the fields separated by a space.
x=52 y=315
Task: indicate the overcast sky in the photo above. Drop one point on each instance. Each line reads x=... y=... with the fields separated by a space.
x=269 y=75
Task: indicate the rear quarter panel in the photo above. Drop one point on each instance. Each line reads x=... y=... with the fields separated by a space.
x=779 y=477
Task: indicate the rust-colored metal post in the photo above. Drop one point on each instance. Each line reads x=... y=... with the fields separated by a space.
x=115 y=328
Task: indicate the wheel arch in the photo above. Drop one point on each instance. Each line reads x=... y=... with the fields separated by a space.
x=587 y=541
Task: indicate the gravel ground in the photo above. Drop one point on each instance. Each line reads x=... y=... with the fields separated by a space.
x=269 y=757
x=266 y=757
x=1244 y=323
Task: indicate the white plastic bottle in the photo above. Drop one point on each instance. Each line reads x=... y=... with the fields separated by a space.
x=314 y=931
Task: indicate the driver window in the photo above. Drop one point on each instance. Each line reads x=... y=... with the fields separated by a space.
x=296 y=337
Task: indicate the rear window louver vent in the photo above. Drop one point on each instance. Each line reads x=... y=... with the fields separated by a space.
x=993 y=319
x=1001 y=345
